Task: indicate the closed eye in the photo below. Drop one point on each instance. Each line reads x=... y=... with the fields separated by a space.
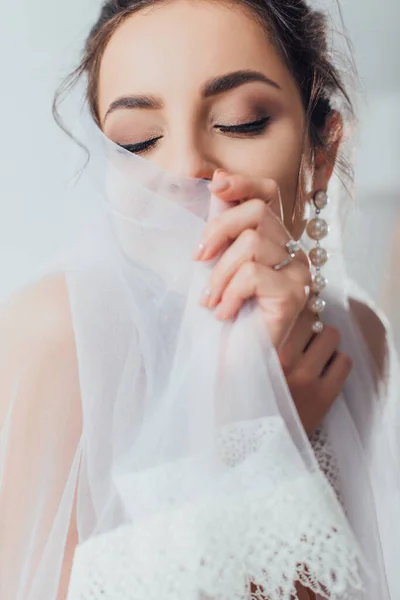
x=252 y=128
x=141 y=147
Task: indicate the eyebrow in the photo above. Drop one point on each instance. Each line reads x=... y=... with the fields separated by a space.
x=130 y=102
x=230 y=81
x=214 y=87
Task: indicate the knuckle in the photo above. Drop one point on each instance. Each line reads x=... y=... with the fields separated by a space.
x=241 y=184
x=249 y=270
x=301 y=378
x=251 y=238
x=229 y=294
x=260 y=209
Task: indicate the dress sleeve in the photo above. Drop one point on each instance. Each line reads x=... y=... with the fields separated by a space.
x=40 y=442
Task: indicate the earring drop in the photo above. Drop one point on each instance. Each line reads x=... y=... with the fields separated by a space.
x=317 y=229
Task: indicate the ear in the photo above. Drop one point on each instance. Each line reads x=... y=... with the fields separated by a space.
x=325 y=158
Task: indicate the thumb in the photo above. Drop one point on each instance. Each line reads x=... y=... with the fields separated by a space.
x=220 y=174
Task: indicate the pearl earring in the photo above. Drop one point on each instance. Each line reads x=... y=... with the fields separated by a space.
x=317 y=229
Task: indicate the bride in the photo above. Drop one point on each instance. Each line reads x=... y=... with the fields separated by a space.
x=193 y=404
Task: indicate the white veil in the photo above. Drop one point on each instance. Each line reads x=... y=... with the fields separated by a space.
x=172 y=438
x=165 y=444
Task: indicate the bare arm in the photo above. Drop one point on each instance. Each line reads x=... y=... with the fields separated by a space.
x=40 y=431
x=374 y=334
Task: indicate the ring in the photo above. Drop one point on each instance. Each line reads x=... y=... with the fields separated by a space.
x=292 y=247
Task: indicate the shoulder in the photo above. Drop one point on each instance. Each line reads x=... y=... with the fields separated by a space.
x=374 y=332
x=37 y=320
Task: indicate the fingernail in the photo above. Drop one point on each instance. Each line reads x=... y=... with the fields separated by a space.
x=220 y=185
x=199 y=252
x=205 y=297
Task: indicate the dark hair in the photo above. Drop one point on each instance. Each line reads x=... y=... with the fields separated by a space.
x=297 y=31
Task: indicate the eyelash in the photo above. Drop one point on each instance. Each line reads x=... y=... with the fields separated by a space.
x=253 y=128
x=142 y=147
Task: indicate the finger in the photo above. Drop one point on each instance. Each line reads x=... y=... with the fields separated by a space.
x=230 y=224
x=321 y=349
x=249 y=247
x=280 y=299
x=235 y=188
x=242 y=286
x=297 y=341
x=337 y=374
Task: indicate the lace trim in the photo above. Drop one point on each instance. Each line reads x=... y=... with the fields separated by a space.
x=262 y=523
x=327 y=460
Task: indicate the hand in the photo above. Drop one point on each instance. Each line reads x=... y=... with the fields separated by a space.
x=251 y=237
x=315 y=369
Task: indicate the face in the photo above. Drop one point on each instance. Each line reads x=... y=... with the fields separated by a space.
x=195 y=86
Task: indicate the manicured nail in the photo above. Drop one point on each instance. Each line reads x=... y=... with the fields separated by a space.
x=205 y=297
x=219 y=185
x=199 y=252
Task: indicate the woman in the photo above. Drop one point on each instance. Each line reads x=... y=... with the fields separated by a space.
x=96 y=433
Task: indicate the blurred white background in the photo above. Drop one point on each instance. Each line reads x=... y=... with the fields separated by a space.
x=39 y=44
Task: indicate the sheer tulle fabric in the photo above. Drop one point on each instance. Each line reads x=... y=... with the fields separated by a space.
x=173 y=439
x=391 y=291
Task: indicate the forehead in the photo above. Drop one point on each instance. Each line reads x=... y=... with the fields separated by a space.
x=179 y=44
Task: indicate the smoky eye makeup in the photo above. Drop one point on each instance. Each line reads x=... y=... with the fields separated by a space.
x=237 y=117
x=245 y=114
x=244 y=119
x=240 y=129
x=141 y=147
x=249 y=126
x=133 y=135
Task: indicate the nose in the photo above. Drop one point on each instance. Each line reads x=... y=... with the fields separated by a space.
x=192 y=161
